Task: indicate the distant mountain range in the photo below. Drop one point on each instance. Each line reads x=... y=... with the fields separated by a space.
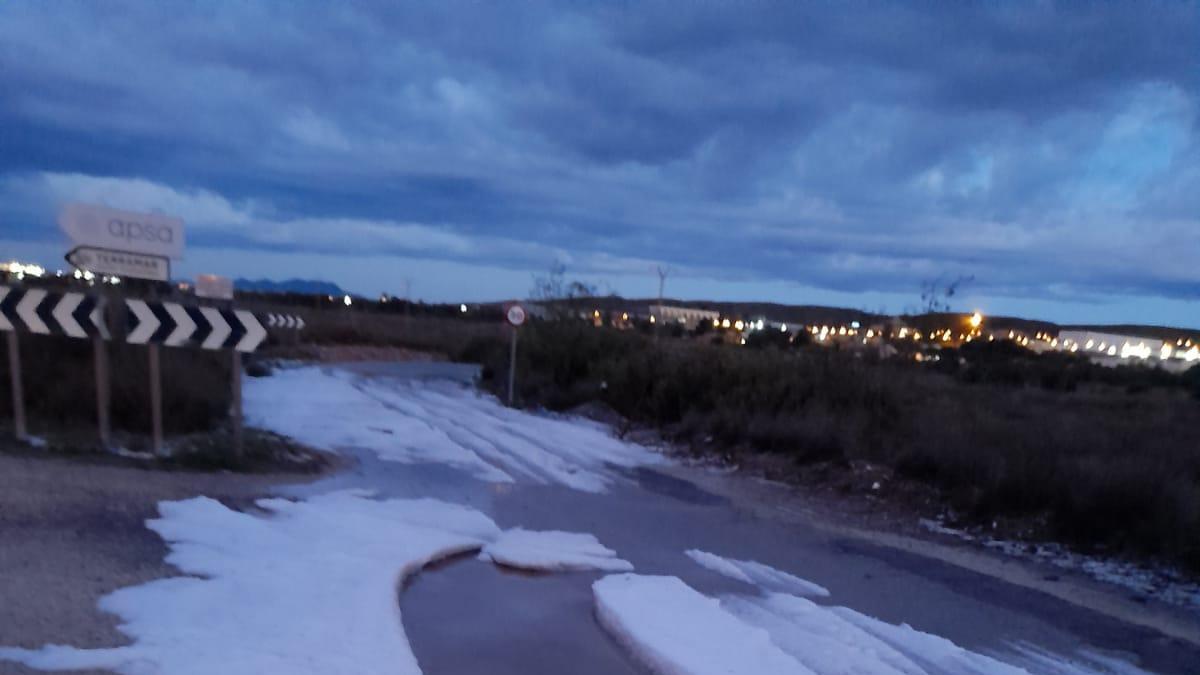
x=306 y=286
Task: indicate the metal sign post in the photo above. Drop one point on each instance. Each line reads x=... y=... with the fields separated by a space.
x=235 y=404
x=156 y=424
x=515 y=316
x=103 y=391
x=154 y=365
x=221 y=288
x=512 y=366
x=18 y=393
x=102 y=371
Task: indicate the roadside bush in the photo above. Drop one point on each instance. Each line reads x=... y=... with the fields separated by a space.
x=769 y=338
x=1006 y=433
x=58 y=378
x=1191 y=380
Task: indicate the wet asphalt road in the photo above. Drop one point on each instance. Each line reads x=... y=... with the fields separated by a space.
x=466 y=616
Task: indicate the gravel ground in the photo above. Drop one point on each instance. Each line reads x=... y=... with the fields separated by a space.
x=73 y=530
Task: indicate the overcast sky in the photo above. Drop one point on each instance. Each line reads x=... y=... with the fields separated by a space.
x=825 y=153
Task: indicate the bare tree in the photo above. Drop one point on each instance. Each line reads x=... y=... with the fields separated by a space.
x=936 y=294
x=560 y=297
x=550 y=286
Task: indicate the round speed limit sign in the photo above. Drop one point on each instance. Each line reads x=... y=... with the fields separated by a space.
x=516 y=315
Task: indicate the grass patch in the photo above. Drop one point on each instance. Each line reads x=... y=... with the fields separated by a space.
x=262 y=451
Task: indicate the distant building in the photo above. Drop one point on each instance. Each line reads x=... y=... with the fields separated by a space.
x=690 y=317
x=21 y=270
x=1113 y=348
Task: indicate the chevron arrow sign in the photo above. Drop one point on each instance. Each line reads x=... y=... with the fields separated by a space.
x=284 y=321
x=176 y=325
x=36 y=310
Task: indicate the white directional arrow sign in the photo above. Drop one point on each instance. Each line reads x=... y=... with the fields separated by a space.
x=147 y=323
x=184 y=326
x=255 y=333
x=27 y=310
x=63 y=315
x=120 y=263
x=167 y=323
x=5 y=324
x=291 y=321
x=39 y=311
x=220 y=328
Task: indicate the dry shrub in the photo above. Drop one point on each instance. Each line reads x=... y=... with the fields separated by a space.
x=58 y=376
x=1112 y=459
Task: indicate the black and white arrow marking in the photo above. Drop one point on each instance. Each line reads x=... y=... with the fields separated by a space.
x=284 y=321
x=176 y=325
x=36 y=310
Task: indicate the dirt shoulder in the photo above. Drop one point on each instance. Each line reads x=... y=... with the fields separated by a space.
x=349 y=353
x=72 y=529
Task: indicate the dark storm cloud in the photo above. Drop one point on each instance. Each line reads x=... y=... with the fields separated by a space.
x=854 y=146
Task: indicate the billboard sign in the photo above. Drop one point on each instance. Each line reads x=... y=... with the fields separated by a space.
x=100 y=227
x=214 y=286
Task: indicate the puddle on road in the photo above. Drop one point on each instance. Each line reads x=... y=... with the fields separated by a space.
x=462 y=615
x=467 y=616
x=465 y=373
x=670 y=486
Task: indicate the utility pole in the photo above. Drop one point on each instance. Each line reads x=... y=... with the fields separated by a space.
x=407 y=306
x=663 y=272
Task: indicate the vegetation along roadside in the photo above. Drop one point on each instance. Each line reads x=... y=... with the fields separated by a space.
x=1106 y=459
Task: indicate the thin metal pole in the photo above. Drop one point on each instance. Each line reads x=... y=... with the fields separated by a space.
x=156 y=399
x=235 y=405
x=18 y=392
x=103 y=390
x=512 y=366
x=662 y=281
